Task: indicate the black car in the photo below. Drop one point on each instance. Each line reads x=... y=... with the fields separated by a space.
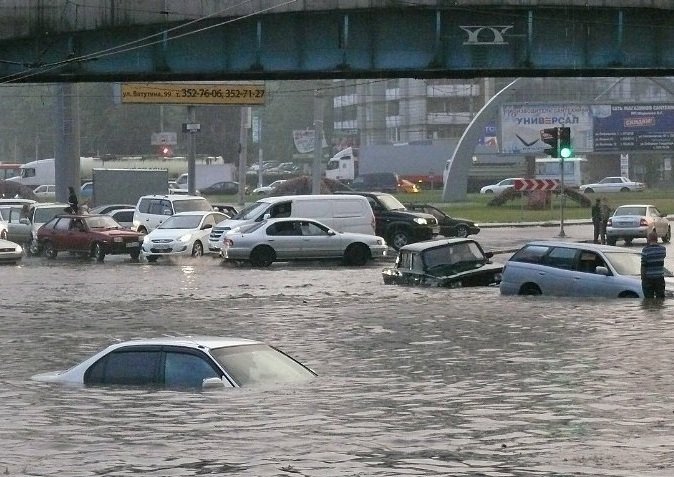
x=449 y=226
x=224 y=187
x=395 y=223
x=451 y=263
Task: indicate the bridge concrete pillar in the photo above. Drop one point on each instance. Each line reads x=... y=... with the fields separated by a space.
x=67 y=141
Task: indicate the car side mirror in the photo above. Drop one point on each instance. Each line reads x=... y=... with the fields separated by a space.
x=266 y=216
x=488 y=254
x=212 y=383
x=601 y=271
x=331 y=232
x=206 y=226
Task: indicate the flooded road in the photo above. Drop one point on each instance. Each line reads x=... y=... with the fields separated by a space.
x=415 y=382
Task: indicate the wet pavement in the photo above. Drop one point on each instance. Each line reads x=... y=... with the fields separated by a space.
x=412 y=381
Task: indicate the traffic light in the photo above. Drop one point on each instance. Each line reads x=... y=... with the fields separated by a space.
x=565 y=150
x=165 y=151
x=550 y=136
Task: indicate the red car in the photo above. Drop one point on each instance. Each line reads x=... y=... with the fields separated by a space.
x=90 y=235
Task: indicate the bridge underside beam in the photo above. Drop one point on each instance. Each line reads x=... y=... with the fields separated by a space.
x=394 y=42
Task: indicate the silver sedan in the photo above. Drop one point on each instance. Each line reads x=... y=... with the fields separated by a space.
x=284 y=239
x=636 y=221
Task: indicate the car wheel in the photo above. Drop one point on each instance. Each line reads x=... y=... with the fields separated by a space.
x=489 y=191
x=628 y=242
x=625 y=189
x=142 y=230
x=262 y=256
x=399 y=238
x=530 y=289
x=356 y=254
x=49 y=250
x=151 y=258
x=135 y=255
x=668 y=236
x=461 y=231
x=628 y=294
x=588 y=190
x=611 y=240
x=97 y=252
x=197 y=249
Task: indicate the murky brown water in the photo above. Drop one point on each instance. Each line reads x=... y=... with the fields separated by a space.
x=417 y=382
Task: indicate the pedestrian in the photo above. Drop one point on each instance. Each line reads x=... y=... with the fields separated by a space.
x=653 y=267
x=605 y=215
x=596 y=219
x=72 y=200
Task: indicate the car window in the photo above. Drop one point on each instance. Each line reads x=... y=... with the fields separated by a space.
x=184 y=370
x=562 y=257
x=655 y=212
x=191 y=205
x=144 y=205
x=123 y=367
x=589 y=261
x=45 y=214
x=630 y=210
x=62 y=224
x=123 y=216
x=312 y=229
x=530 y=254
x=284 y=228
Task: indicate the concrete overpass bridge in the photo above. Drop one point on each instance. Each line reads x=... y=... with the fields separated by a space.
x=69 y=41
x=151 y=40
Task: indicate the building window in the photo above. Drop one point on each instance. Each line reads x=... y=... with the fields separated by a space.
x=393 y=108
x=393 y=134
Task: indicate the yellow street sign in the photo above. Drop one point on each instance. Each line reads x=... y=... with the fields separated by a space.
x=193 y=93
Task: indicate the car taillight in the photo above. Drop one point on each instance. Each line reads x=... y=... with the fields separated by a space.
x=643 y=223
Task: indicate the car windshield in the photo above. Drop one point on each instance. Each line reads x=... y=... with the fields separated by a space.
x=45 y=214
x=102 y=222
x=630 y=210
x=252 y=211
x=390 y=202
x=181 y=222
x=190 y=205
x=259 y=364
x=459 y=257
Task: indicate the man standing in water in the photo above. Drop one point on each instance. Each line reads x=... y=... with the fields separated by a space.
x=653 y=267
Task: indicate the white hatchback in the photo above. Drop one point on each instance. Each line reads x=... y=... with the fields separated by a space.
x=184 y=233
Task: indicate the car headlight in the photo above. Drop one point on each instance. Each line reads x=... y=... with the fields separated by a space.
x=185 y=238
x=18 y=249
x=421 y=221
x=146 y=239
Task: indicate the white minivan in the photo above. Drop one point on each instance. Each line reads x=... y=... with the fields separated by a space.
x=343 y=212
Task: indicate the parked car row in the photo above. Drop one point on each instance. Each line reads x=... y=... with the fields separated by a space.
x=607 y=184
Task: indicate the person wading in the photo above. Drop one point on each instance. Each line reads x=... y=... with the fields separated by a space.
x=653 y=267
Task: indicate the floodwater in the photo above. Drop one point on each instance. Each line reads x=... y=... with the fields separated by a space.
x=412 y=382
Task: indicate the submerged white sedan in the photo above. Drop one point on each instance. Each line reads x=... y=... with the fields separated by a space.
x=182 y=234
x=184 y=362
x=292 y=238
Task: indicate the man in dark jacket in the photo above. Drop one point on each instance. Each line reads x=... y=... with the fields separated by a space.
x=72 y=200
x=653 y=267
x=596 y=219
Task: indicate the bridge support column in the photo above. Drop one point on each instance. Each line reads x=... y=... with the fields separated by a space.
x=67 y=141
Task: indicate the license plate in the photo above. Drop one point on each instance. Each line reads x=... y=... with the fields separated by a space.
x=131 y=244
x=436 y=230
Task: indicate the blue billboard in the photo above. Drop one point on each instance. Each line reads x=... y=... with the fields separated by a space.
x=633 y=127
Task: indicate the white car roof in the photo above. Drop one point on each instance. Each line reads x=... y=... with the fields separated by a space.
x=208 y=342
x=196 y=212
x=635 y=205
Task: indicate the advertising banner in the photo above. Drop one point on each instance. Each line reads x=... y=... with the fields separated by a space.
x=521 y=126
x=633 y=127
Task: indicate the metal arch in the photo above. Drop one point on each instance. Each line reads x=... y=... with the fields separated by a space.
x=458 y=166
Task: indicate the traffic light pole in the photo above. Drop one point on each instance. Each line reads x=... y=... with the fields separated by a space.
x=563 y=191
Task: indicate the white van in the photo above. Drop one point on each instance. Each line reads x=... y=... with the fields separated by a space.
x=343 y=212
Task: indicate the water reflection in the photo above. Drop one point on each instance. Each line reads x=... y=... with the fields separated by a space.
x=412 y=381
